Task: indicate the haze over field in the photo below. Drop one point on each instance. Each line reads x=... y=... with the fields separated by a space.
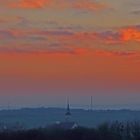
x=45 y=117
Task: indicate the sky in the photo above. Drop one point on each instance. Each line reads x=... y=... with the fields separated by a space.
x=54 y=49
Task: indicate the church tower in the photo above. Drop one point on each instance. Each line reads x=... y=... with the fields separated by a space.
x=68 y=113
x=91 y=103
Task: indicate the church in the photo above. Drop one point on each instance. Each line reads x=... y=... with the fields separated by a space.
x=67 y=123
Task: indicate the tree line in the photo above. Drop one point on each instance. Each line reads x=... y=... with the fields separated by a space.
x=106 y=131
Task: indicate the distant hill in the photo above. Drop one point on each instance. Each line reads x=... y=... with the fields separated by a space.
x=41 y=117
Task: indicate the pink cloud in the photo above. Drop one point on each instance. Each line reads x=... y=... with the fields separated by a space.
x=90 y=5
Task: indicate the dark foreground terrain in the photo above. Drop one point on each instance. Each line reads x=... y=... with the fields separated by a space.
x=114 y=131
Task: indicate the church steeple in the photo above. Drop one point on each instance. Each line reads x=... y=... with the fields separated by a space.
x=68 y=113
x=68 y=109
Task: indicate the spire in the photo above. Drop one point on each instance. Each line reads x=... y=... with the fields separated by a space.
x=91 y=103
x=68 y=113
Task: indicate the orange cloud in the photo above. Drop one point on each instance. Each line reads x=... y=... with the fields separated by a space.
x=30 y=4
x=121 y=35
x=60 y=4
x=130 y=34
x=66 y=40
